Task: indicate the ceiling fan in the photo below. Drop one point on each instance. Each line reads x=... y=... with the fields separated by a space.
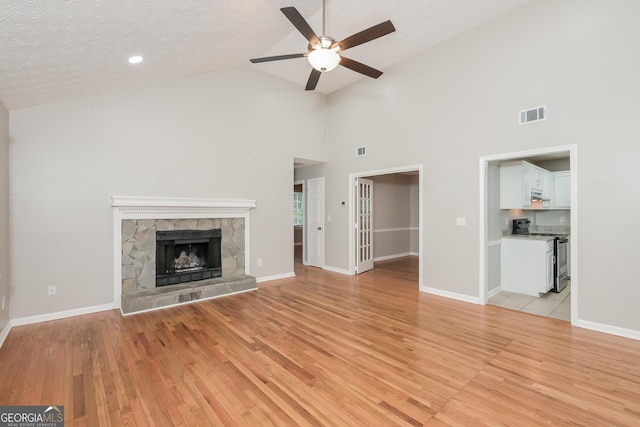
x=324 y=52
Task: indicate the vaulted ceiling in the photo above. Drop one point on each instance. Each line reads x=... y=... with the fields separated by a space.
x=62 y=49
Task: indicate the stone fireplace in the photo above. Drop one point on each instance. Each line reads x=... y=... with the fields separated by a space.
x=173 y=251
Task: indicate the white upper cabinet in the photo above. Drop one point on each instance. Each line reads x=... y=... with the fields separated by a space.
x=519 y=180
x=561 y=189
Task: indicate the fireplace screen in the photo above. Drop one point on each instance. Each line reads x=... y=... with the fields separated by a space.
x=187 y=256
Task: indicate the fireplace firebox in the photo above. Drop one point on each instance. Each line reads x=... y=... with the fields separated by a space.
x=187 y=256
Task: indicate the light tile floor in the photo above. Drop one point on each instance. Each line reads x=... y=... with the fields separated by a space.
x=550 y=304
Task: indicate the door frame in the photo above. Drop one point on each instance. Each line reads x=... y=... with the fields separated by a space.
x=352 y=213
x=483 y=264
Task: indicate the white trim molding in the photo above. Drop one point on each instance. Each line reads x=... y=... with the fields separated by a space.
x=452 y=295
x=607 y=329
x=60 y=315
x=337 y=270
x=394 y=256
x=387 y=230
x=130 y=207
x=140 y=203
x=275 y=277
x=5 y=333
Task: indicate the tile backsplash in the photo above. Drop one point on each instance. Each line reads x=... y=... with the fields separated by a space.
x=550 y=221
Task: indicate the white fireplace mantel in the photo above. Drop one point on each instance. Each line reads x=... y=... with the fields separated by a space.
x=131 y=207
x=155 y=204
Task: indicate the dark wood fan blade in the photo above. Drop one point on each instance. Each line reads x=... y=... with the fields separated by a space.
x=300 y=23
x=278 y=58
x=360 y=68
x=313 y=80
x=367 y=35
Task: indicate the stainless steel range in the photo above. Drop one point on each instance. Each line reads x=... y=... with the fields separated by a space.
x=560 y=251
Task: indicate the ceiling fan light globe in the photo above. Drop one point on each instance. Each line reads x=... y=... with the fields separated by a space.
x=323 y=59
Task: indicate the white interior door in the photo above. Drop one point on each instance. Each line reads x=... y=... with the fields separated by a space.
x=364 y=225
x=315 y=220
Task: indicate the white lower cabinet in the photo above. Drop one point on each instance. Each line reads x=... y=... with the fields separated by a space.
x=526 y=265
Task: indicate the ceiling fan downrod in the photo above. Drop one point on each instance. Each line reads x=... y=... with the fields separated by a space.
x=324 y=17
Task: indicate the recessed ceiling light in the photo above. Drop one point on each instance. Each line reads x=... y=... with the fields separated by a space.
x=135 y=59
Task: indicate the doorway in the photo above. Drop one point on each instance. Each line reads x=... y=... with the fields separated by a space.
x=492 y=223
x=380 y=232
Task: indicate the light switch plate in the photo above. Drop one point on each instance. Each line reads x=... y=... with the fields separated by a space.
x=461 y=221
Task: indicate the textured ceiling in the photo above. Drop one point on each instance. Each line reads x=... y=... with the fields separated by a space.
x=52 y=50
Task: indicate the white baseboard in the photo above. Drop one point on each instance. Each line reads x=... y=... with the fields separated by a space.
x=336 y=270
x=275 y=277
x=493 y=292
x=394 y=256
x=608 y=329
x=5 y=333
x=452 y=295
x=60 y=315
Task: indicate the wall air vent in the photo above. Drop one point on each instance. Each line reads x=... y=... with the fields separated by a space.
x=361 y=151
x=532 y=115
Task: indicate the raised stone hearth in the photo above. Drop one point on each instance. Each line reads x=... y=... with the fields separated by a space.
x=185 y=223
x=149 y=299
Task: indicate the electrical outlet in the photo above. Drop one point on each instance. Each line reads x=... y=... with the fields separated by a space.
x=562 y=219
x=461 y=221
x=51 y=290
x=259 y=262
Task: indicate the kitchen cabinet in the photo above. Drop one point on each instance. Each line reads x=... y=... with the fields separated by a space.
x=526 y=265
x=538 y=178
x=561 y=197
x=517 y=180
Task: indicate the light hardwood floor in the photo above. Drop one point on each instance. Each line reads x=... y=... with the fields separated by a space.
x=325 y=349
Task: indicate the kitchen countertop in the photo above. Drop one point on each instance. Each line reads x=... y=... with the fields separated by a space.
x=527 y=237
x=557 y=230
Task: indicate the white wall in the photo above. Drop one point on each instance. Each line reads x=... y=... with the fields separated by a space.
x=392 y=212
x=447 y=107
x=443 y=108
x=4 y=216
x=226 y=135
